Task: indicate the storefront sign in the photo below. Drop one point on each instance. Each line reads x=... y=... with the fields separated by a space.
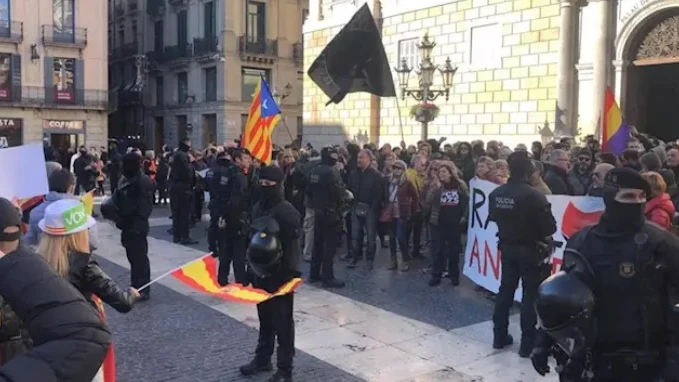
x=69 y=125
x=11 y=134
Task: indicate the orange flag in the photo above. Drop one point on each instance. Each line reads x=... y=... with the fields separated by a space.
x=201 y=275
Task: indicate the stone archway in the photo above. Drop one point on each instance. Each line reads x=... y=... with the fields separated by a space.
x=660 y=45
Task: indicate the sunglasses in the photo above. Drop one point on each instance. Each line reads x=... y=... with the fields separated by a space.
x=585 y=159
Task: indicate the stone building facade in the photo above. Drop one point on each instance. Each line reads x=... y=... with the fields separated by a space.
x=523 y=65
x=201 y=60
x=53 y=59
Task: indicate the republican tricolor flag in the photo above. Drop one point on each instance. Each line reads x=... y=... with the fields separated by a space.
x=262 y=119
x=615 y=132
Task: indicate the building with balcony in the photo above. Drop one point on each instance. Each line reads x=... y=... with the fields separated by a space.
x=53 y=63
x=202 y=61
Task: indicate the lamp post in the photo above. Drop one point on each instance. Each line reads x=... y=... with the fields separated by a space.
x=425 y=93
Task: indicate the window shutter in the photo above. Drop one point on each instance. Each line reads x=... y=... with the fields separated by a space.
x=49 y=80
x=79 y=82
x=16 y=78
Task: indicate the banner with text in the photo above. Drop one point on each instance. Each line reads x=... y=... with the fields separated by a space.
x=482 y=257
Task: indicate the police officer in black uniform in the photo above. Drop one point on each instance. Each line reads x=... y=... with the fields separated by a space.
x=272 y=259
x=325 y=190
x=634 y=267
x=235 y=218
x=216 y=180
x=525 y=249
x=181 y=180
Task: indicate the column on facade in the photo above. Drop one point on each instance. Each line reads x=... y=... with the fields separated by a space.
x=601 y=59
x=566 y=68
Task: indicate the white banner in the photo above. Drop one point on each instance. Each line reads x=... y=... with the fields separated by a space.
x=23 y=172
x=482 y=257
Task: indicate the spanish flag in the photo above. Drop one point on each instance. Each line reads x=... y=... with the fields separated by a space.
x=615 y=132
x=201 y=275
x=108 y=368
x=262 y=119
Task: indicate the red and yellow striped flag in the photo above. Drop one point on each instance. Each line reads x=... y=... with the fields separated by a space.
x=201 y=275
x=262 y=119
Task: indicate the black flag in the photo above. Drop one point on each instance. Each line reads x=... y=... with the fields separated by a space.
x=354 y=61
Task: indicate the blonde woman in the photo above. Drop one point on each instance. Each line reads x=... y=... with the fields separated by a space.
x=65 y=246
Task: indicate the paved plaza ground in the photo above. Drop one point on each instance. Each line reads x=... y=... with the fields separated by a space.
x=384 y=326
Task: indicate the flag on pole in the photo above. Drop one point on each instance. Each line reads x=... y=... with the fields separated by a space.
x=108 y=368
x=615 y=131
x=88 y=201
x=201 y=275
x=262 y=119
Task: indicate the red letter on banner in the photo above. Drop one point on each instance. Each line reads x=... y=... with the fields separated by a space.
x=475 y=253
x=494 y=265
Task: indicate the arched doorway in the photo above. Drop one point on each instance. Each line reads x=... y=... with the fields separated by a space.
x=652 y=91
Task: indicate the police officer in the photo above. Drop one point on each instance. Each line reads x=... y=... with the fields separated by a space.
x=325 y=190
x=525 y=249
x=181 y=181
x=216 y=180
x=272 y=261
x=634 y=268
x=234 y=218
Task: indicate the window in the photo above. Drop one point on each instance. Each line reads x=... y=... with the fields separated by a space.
x=209 y=20
x=255 y=22
x=408 y=49
x=158 y=36
x=63 y=18
x=134 y=31
x=250 y=79
x=63 y=78
x=210 y=84
x=182 y=87
x=182 y=27
x=243 y=122
x=4 y=18
x=160 y=91
x=485 y=43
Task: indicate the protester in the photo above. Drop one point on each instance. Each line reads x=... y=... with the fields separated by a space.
x=556 y=174
x=536 y=178
x=598 y=176
x=659 y=207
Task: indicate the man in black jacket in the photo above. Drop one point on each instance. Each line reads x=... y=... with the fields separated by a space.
x=134 y=200
x=181 y=182
x=113 y=166
x=217 y=181
x=556 y=174
x=525 y=249
x=83 y=171
x=367 y=185
x=71 y=348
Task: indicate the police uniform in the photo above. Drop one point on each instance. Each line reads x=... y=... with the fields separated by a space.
x=324 y=191
x=216 y=180
x=524 y=247
x=272 y=261
x=633 y=271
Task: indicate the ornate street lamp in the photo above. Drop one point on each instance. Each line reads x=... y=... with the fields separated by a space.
x=425 y=112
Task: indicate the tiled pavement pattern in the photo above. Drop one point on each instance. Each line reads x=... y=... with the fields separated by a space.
x=383 y=327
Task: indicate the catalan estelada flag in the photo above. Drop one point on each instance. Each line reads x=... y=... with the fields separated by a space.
x=615 y=131
x=201 y=275
x=262 y=119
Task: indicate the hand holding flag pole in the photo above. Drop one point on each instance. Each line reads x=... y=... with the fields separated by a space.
x=148 y=284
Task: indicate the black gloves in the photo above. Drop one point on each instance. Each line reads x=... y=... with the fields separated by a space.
x=539 y=358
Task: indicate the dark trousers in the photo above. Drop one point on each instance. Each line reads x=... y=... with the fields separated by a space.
x=446 y=245
x=519 y=263
x=180 y=204
x=233 y=252
x=114 y=178
x=276 y=323
x=361 y=225
x=212 y=232
x=137 y=250
x=86 y=184
x=325 y=245
x=415 y=230
x=197 y=207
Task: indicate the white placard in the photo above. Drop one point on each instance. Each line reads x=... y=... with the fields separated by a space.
x=23 y=172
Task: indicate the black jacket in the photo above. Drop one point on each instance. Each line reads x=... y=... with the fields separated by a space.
x=325 y=188
x=238 y=203
x=14 y=338
x=557 y=181
x=79 y=167
x=134 y=199
x=522 y=213
x=70 y=339
x=367 y=187
x=217 y=182
x=86 y=276
x=181 y=171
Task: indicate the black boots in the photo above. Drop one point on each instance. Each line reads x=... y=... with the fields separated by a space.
x=500 y=340
x=255 y=367
x=527 y=345
x=281 y=376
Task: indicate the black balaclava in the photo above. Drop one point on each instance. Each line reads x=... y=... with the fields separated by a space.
x=623 y=217
x=131 y=165
x=183 y=147
x=271 y=195
x=520 y=166
x=9 y=217
x=326 y=156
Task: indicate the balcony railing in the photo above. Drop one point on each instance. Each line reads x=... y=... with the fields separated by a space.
x=11 y=31
x=64 y=36
x=155 y=8
x=205 y=46
x=298 y=53
x=261 y=47
x=125 y=51
x=176 y=52
x=37 y=96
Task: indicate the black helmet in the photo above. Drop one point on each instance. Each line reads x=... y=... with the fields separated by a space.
x=109 y=209
x=265 y=224
x=565 y=306
x=264 y=254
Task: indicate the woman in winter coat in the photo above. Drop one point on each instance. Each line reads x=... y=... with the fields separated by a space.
x=464 y=161
x=65 y=246
x=485 y=169
x=659 y=207
x=449 y=204
x=402 y=202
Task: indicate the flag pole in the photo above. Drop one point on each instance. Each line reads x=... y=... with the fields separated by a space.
x=148 y=284
x=400 y=119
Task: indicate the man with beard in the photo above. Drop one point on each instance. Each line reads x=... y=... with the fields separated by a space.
x=276 y=315
x=181 y=180
x=556 y=175
x=580 y=176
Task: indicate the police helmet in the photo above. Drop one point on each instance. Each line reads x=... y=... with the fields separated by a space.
x=265 y=224
x=109 y=209
x=264 y=254
x=565 y=306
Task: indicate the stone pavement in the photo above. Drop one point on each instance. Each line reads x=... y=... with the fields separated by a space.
x=384 y=326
